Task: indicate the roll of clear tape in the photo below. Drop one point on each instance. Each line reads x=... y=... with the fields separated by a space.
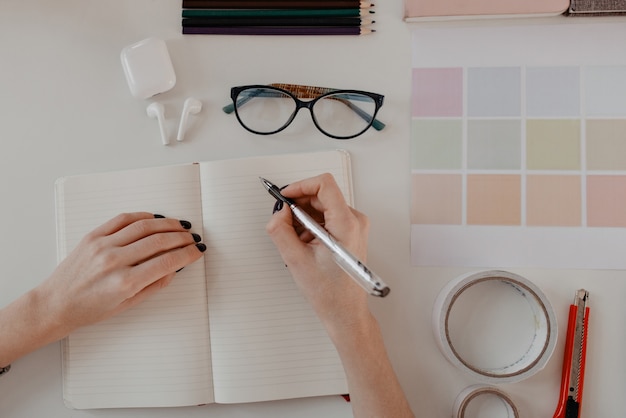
x=540 y=349
x=470 y=393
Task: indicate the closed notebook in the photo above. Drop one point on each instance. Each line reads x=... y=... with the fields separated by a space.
x=416 y=10
x=231 y=327
x=597 y=7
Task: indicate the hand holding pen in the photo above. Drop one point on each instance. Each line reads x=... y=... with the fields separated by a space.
x=352 y=265
x=336 y=297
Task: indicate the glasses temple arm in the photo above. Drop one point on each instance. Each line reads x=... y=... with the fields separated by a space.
x=230 y=108
x=376 y=124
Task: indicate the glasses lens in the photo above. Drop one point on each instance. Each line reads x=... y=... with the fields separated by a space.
x=344 y=114
x=264 y=110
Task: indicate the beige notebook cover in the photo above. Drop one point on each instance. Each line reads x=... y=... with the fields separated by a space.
x=416 y=10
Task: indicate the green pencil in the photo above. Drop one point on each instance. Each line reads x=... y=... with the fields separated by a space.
x=276 y=12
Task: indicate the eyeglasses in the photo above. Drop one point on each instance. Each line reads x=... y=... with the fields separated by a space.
x=339 y=114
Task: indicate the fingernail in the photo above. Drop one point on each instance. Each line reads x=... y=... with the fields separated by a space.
x=179 y=269
x=196 y=237
x=185 y=224
x=279 y=203
x=156 y=215
x=277 y=206
x=201 y=247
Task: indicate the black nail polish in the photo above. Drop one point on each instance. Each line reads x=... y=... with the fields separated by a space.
x=196 y=237
x=279 y=203
x=201 y=247
x=277 y=206
x=185 y=224
x=156 y=215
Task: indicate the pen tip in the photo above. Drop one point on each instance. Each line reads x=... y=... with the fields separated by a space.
x=265 y=183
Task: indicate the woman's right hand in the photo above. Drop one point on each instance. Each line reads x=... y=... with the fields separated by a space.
x=336 y=298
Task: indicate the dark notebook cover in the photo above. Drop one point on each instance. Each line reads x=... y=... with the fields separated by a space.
x=597 y=7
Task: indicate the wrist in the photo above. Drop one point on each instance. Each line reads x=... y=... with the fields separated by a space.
x=27 y=324
x=50 y=325
x=40 y=323
x=353 y=331
x=26 y=327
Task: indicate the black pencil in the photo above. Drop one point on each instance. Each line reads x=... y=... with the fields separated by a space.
x=276 y=30
x=275 y=21
x=275 y=4
x=277 y=12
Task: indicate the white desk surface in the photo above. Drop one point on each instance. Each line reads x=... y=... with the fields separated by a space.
x=65 y=109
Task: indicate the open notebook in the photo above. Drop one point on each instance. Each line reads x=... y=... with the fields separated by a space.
x=418 y=10
x=231 y=328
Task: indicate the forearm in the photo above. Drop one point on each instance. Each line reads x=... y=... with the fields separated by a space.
x=115 y=267
x=374 y=388
x=26 y=326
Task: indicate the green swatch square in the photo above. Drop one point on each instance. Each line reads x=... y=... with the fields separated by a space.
x=494 y=144
x=553 y=144
x=437 y=144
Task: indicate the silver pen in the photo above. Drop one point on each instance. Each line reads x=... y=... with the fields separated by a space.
x=366 y=278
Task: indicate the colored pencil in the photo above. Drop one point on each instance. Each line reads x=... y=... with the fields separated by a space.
x=275 y=4
x=276 y=30
x=274 y=21
x=276 y=12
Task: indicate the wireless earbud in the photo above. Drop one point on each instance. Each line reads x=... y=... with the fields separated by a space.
x=192 y=106
x=156 y=111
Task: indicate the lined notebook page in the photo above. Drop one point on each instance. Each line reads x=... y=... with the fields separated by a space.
x=266 y=341
x=156 y=354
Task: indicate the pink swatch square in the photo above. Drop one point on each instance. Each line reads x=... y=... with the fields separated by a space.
x=437 y=92
x=494 y=199
x=606 y=201
x=436 y=199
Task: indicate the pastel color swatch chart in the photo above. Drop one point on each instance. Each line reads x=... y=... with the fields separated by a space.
x=519 y=166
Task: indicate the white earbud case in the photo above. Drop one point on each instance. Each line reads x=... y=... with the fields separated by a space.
x=148 y=68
